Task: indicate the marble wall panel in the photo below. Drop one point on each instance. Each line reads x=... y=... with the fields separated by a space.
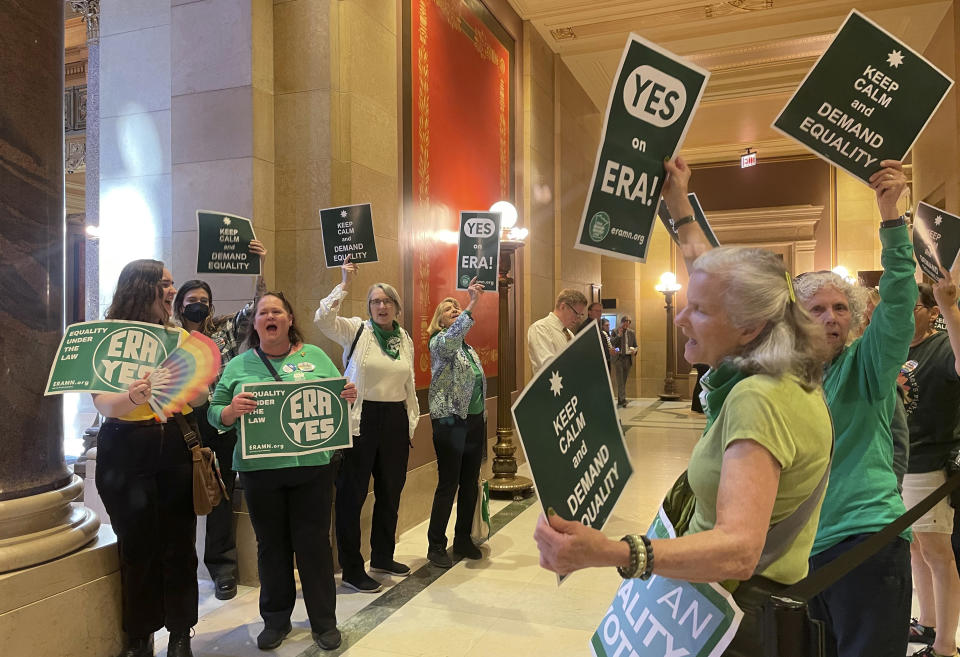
x=212 y=125
x=263 y=44
x=134 y=67
x=134 y=145
x=302 y=189
x=210 y=46
x=119 y=16
x=303 y=126
x=373 y=138
x=368 y=50
x=264 y=138
x=301 y=30
x=217 y=185
x=264 y=198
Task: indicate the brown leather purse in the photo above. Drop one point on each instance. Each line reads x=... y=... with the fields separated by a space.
x=208 y=488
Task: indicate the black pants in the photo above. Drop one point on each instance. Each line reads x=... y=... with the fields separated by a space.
x=381 y=449
x=220 y=542
x=145 y=479
x=867 y=611
x=290 y=514
x=459 y=445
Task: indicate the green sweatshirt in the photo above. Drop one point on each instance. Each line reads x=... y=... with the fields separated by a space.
x=860 y=387
x=248 y=368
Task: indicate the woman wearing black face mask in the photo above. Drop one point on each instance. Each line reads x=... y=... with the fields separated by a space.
x=193 y=308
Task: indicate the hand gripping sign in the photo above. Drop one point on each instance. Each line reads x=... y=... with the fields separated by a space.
x=652 y=102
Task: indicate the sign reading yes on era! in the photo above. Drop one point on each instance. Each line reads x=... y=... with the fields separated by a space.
x=223 y=244
x=652 y=101
x=568 y=426
x=108 y=355
x=348 y=230
x=479 y=249
x=866 y=100
x=295 y=418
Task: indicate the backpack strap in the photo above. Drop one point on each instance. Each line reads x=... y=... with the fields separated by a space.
x=353 y=346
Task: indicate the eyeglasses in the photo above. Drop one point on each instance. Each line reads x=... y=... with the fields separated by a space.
x=579 y=315
x=381 y=302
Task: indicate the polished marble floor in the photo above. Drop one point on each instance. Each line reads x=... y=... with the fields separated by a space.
x=504 y=604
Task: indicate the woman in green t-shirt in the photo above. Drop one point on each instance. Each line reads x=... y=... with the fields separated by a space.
x=457 y=394
x=766 y=446
x=289 y=497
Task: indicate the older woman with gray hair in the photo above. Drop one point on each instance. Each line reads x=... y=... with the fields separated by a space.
x=457 y=392
x=764 y=453
x=378 y=358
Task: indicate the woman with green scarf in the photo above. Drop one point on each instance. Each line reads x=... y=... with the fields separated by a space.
x=766 y=446
x=378 y=358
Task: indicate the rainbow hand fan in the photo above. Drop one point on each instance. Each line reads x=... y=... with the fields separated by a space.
x=184 y=374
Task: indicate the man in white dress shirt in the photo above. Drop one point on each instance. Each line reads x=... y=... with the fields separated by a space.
x=548 y=336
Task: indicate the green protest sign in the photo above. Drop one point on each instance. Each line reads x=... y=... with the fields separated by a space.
x=348 y=230
x=295 y=418
x=936 y=239
x=568 y=426
x=108 y=355
x=479 y=249
x=653 y=98
x=223 y=244
x=866 y=100
x=662 y=616
x=697 y=214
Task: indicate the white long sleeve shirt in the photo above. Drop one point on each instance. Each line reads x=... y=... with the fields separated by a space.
x=546 y=338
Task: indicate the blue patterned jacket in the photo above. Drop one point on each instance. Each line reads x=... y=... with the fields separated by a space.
x=451 y=385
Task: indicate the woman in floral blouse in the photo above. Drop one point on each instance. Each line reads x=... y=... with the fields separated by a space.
x=457 y=393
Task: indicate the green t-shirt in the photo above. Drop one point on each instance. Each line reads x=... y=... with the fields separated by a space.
x=476 y=399
x=248 y=368
x=794 y=426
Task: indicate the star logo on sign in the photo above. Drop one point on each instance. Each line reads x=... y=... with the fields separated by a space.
x=556 y=384
x=226 y=221
x=895 y=58
x=938 y=220
x=343 y=214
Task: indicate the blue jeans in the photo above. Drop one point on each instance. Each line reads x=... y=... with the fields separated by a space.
x=867 y=611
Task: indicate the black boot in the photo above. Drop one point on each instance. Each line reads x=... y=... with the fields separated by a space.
x=179 y=645
x=139 y=647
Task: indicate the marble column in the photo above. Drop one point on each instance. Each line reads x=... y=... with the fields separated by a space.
x=39 y=519
x=90 y=10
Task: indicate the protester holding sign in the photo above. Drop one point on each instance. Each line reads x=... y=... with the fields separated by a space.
x=457 y=397
x=378 y=357
x=289 y=497
x=145 y=478
x=867 y=611
x=930 y=380
x=193 y=308
x=765 y=448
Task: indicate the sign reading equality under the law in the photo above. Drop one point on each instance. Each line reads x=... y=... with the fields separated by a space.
x=568 y=426
x=662 y=616
x=223 y=244
x=653 y=98
x=936 y=240
x=866 y=100
x=698 y=214
x=108 y=355
x=348 y=230
x=293 y=418
x=478 y=253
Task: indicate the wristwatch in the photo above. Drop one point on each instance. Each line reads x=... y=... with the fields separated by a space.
x=893 y=223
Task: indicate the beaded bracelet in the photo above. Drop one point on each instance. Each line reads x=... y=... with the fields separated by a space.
x=638 y=557
x=648 y=566
x=683 y=221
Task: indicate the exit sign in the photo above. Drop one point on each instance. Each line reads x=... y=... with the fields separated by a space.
x=748 y=160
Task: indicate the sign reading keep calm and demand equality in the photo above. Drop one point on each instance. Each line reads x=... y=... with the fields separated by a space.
x=936 y=240
x=223 y=244
x=478 y=252
x=293 y=418
x=866 y=100
x=568 y=426
x=348 y=230
x=652 y=102
x=108 y=355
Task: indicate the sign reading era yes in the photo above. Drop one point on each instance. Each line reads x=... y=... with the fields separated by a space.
x=568 y=425
x=108 y=355
x=348 y=230
x=479 y=249
x=295 y=418
x=652 y=101
x=866 y=100
x=223 y=244
x=936 y=240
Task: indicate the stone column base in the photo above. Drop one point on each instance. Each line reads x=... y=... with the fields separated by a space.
x=38 y=528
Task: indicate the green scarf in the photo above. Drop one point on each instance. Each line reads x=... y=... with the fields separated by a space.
x=718 y=383
x=389 y=340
